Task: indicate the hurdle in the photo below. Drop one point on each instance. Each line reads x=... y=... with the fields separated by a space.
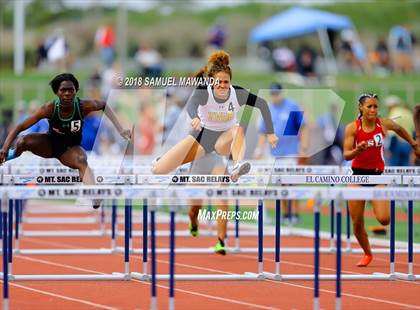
x=168 y=180
x=131 y=192
x=247 y=180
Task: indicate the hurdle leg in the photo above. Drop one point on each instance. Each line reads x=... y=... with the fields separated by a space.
x=145 y=237
x=410 y=273
x=103 y=232
x=153 y=259
x=113 y=224
x=260 y=236
x=237 y=242
x=332 y=215
x=4 y=213
x=317 y=210
x=277 y=245
x=276 y=275
x=172 y=261
x=10 y=235
x=126 y=238
x=130 y=227
x=289 y=215
x=17 y=224
x=348 y=247
x=338 y=257
x=143 y=275
x=410 y=238
x=209 y=221
x=392 y=240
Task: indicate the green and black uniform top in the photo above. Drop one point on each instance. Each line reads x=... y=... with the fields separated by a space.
x=66 y=128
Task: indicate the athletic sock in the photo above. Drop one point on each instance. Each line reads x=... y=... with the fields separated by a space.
x=222 y=243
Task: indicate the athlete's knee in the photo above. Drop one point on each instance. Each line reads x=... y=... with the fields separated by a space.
x=23 y=144
x=155 y=169
x=384 y=220
x=158 y=169
x=81 y=160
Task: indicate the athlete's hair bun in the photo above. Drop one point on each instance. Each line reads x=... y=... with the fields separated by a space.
x=219 y=58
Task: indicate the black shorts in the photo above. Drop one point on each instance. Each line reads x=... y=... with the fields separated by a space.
x=207 y=138
x=60 y=144
x=360 y=171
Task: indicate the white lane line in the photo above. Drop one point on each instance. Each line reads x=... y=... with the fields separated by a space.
x=350 y=295
x=43 y=292
x=234 y=301
x=47 y=262
x=405 y=263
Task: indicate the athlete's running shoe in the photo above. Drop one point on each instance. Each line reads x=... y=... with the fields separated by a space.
x=11 y=154
x=153 y=164
x=239 y=169
x=366 y=260
x=220 y=248
x=96 y=203
x=193 y=230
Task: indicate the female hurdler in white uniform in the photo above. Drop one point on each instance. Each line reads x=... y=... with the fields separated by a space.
x=214 y=125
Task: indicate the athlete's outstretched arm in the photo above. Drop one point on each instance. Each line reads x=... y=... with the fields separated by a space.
x=349 y=151
x=416 y=116
x=249 y=99
x=389 y=124
x=43 y=112
x=99 y=105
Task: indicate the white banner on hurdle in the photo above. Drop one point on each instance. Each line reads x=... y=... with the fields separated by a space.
x=411 y=180
x=67 y=179
x=208 y=179
x=210 y=192
x=145 y=168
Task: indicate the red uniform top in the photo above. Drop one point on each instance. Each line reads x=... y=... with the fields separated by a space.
x=373 y=156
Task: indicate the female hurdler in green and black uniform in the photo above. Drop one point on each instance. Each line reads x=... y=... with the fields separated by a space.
x=65 y=115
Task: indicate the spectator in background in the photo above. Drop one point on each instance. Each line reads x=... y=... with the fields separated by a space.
x=146 y=129
x=332 y=135
x=305 y=61
x=400 y=44
x=380 y=57
x=105 y=41
x=149 y=60
x=92 y=122
x=109 y=79
x=288 y=124
x=284 y=59
x=5 y=124
x=353 y=52
x=58 y=50
x=217 y=37
x=398 y=150
x=40 y=53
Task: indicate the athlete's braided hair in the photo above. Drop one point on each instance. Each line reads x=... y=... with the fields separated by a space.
x=56 y=81
x=218 y=62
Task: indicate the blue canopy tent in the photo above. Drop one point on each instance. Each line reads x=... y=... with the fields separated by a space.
x=299 y=21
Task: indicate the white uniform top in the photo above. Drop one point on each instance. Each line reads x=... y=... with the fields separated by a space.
x=219 y=116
